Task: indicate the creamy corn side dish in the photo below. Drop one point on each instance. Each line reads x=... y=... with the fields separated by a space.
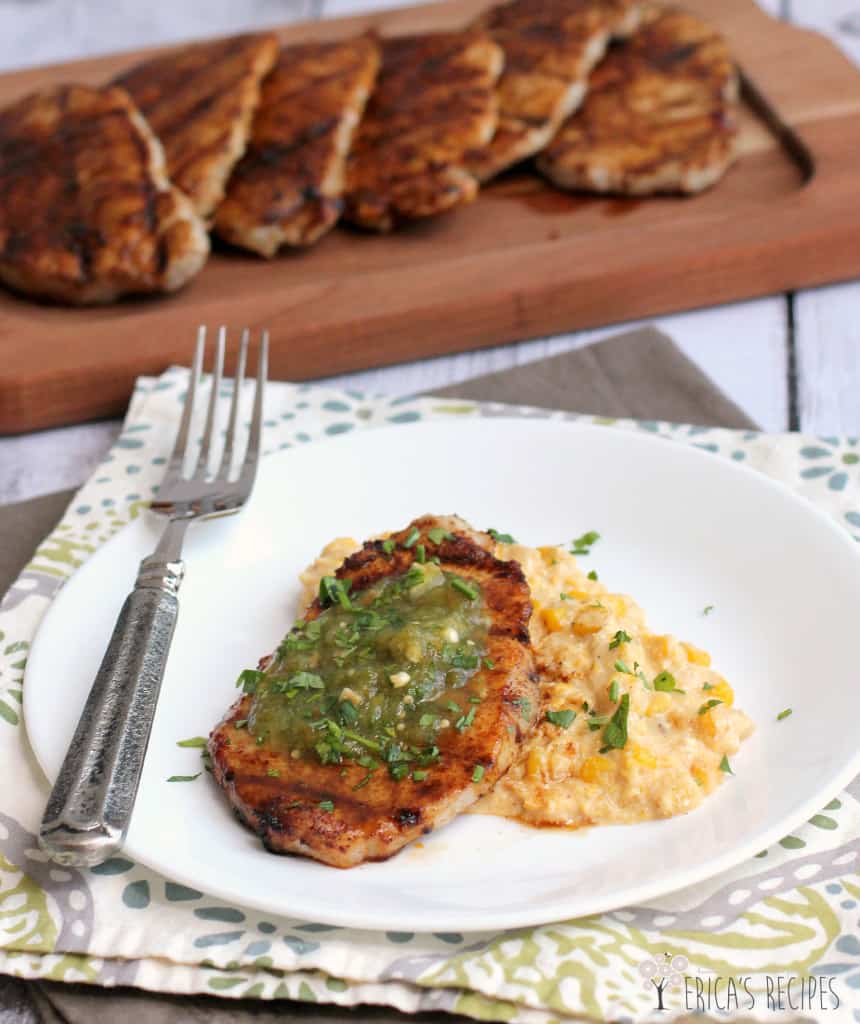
x=632 y=725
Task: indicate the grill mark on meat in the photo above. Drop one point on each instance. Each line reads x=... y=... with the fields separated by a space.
x=434 y=101
x=199 y=100
x=658 y=116
x=86 y=213
x=287 y=188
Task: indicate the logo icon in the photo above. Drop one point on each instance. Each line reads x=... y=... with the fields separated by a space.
x=664 y=972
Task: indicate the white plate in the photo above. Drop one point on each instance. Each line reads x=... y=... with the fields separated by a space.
x=680 y=530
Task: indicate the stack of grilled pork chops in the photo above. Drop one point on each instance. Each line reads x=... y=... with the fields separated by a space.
x=111 y=191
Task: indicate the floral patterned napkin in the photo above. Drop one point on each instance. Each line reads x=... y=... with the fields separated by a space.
x=791 y=912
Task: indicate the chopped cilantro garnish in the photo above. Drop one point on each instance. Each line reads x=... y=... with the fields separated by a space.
x=707 y=686
x=333 y=590
x=562 y=718
x=465 y=721
x=665 y=682
x=489 y=663
x=419 y=775
x=621 y=637
x=398 y=770
x=613 y=691
x=412 y=537
x=426 y=720
x=615 y=733
x=582 y=545
x=501 y=538
x=725 y=766
x=593 y=575
x=464 y=587
x=248 y=680
x=783 y=714
x=452 y=705
x=712 y=703
x=478 y=773
x=326 y=805
x=388 y=546
x=195 y=741
x=184 y=778
x=437 y=535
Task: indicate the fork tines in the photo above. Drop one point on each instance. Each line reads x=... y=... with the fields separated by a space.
x=201 y=470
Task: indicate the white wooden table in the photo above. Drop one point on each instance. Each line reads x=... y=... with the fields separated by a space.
x=791 y=361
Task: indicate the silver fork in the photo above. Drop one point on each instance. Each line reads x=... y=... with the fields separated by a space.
x=88 y=812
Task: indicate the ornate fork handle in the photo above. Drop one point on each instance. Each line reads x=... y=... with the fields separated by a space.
x=89 y=810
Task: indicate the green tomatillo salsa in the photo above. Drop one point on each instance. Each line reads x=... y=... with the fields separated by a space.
x=378 y=674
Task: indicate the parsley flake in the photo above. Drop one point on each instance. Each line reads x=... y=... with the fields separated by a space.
x=184 y=778
x=665 y=682
x=615 y=733
x=621 y=667
x=326 y=805
x=725 y=766
x=613 y=691
x=562 y=718
x=783 y=714
x=437 y=535
x=582 y=545
x=501 y=538
x=195 y=741
x=592 y=575
x=706 y=707
x=621 y=637
x=478 y=773
x=249 y=679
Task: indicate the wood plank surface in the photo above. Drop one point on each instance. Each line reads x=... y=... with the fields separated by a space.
x=523 y=261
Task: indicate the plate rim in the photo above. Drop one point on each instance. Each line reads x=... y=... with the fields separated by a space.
x=490 y=920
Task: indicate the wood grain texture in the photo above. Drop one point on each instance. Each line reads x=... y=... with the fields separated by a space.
x=521 y=262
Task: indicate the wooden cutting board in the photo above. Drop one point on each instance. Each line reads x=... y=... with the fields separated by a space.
x=522 y=261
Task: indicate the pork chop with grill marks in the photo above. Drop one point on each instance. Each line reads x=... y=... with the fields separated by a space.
x=433 y=103
x=199 y=101
x=659 y=115
x=344 y=810
x=550 y=47
x=87 y=213
x=287 y=188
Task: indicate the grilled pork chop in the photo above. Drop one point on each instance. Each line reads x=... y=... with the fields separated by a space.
x=87 y=213
x=344 y=802
x=199 y=102
x=658 y=116
x=287 y=188
x=550 y=47
x=434 y=101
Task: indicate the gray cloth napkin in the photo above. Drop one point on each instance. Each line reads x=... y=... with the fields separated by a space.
x=639 y=374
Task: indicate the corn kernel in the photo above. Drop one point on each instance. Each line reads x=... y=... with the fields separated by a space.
x=641 y=755
x=658 y=645
x=696 y=656
x=594 y=767
x=589 y=620
x=549 y=554
x=533 y=764
x=722 y=691
x=580 y=595
x=616 y=603
x=660 y=704
x=552 y=619
x=707 y=725
x=699 y=774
